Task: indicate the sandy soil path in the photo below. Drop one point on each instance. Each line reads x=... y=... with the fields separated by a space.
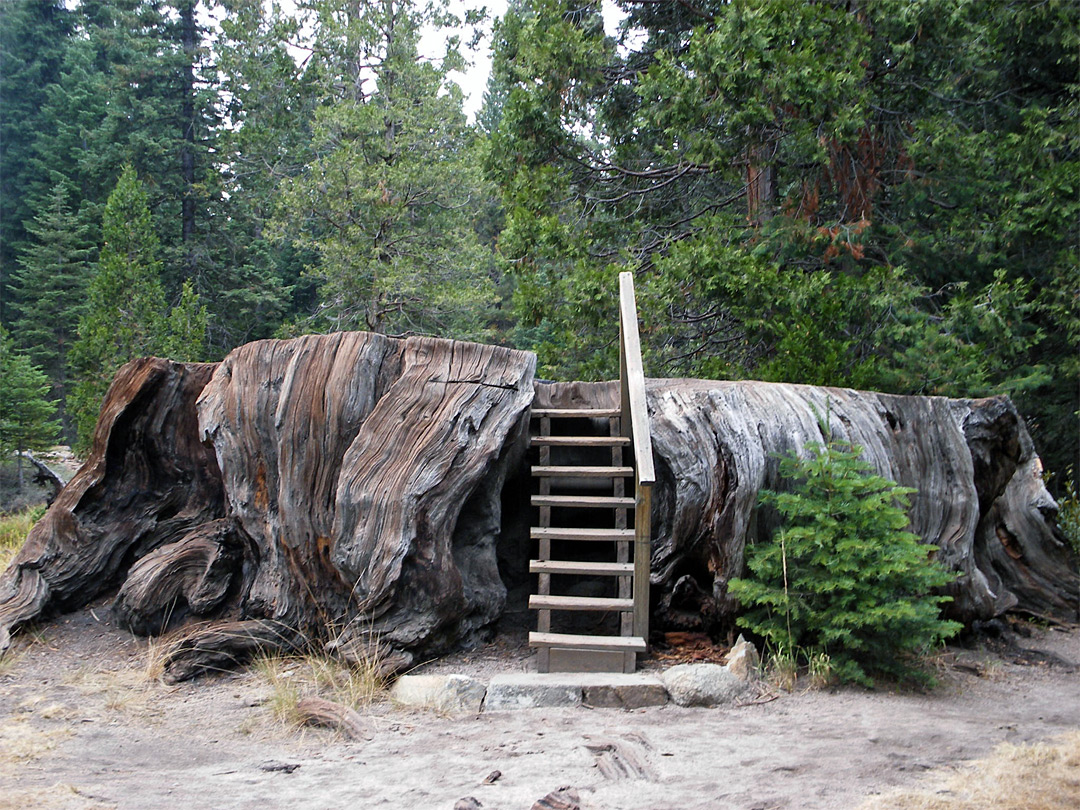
x=82 y=727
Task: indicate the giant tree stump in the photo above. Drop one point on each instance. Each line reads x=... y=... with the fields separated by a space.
x=148 y=482
x=348 y=490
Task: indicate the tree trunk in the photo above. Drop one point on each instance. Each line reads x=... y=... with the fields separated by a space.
x=148 y=482
x=357 y=500
x=349 y=489
x=760 y=184
x=44 y=476
x=716 y=445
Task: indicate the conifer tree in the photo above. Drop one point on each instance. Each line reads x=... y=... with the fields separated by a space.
x=185 y=329
x=34 y=38
x=386 y=203
x=51 y=285
x=876 y=195
x=842 y=577
x=125 y=312
x=27 y=417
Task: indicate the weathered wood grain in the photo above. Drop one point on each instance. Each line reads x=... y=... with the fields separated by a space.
x=191 y=577
x=366 y=473
x=348 y=489
x=318 y=711
x=148 y=482
x=718 y=445
x=980 y=496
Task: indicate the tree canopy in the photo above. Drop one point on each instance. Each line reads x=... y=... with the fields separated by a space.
x=881 y=195
x=878 y=195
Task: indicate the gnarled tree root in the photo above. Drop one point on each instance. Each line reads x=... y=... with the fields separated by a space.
x=223 y=646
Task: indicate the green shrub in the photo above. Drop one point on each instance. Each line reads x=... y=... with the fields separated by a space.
x=1068 y=517
x=842 y=578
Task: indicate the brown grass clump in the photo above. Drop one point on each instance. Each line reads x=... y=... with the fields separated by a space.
x=1041 y=776
x=22 y=741
x=294 y=677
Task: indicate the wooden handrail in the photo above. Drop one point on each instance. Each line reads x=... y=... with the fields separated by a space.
x=635 y=425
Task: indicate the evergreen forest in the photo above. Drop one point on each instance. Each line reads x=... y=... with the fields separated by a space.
x=879 y=194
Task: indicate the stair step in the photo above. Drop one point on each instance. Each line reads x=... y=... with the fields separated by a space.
x=576 y=642
x=602 y=603
x=595 y=569
x=581 y=441
x=587 y=535
x=584 y=501
x=570 y=413
x=583 y=472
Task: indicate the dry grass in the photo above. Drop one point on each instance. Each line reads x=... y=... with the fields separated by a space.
x=294 y=677
x=785 y=671
x=158 y=649
x=1042 y=776
x=13 y=530
x=57 y=797
x=21 y=741
x=9 y=659
x=122 y=691
x=27 y=638
x=781 y=670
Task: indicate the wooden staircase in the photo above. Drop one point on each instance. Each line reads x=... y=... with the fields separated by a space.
x=588 y=485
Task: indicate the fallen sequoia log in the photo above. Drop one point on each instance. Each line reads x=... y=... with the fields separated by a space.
x=980 y=495
x=350 y=489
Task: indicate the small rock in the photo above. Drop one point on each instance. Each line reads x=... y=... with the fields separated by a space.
x=703 y=685
x=743 y=661
x=279 y=767
x=565 y=798
x=468 y=803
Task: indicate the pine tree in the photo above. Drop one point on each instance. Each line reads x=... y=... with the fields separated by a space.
x=842 y=577
x=874 y=194
x=125 y=312
x=254 y=281
x=51 y=286
x=27 y=417
x=34 y=36
x=131 y=91
x=385 y=204
x=185 y=329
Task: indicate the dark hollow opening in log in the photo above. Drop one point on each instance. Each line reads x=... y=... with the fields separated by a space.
x=513 y=548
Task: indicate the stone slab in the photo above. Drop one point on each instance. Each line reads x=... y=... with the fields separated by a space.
x=568 y=689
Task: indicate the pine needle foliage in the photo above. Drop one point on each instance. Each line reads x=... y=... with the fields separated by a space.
x=27 y=415
x=842 y=576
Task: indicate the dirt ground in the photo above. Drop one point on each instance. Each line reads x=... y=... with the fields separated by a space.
x=83 y=726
